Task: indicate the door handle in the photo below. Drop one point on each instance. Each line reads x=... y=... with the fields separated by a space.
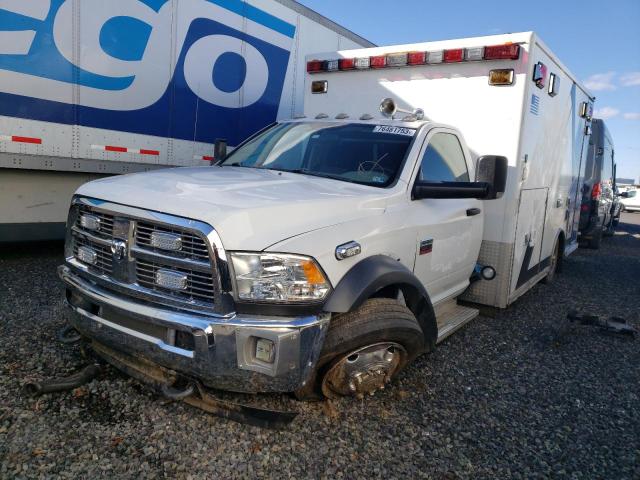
x=473 y=211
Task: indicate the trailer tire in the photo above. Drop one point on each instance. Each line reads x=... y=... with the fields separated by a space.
x=379 y=327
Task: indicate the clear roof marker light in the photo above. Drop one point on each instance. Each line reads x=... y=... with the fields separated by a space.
x=363 y=63
x=397 y=60
x=474 y=54
x=435 y=57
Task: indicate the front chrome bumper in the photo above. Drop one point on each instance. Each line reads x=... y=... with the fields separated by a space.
x=221 y=351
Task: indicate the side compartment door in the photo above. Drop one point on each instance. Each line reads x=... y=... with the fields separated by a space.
x=449 y=231
x=529 y=235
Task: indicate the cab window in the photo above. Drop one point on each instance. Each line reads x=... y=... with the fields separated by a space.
x=443 y=161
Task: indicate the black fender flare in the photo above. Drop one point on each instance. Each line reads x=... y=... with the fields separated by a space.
x=374 y=273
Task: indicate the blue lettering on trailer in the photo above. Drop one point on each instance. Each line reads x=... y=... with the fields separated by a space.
x=112 y=65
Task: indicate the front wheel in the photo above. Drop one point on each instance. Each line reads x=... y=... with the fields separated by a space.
x=364 y=350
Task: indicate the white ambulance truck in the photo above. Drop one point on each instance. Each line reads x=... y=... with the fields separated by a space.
x=93 y=88
x=325 y=253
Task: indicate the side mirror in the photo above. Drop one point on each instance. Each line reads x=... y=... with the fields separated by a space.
x=491 y=180
x=492 y=169
x=220 y=150
x=422 y=190
x=624 y=194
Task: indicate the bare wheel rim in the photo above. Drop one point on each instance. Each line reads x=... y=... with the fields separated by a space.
x=364 y=370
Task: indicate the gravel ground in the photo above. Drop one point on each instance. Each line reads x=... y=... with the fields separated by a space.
x=506 y=397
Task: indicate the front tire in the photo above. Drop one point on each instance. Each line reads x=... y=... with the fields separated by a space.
x=364 y=349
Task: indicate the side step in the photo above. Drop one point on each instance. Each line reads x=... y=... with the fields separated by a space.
x=451 y=316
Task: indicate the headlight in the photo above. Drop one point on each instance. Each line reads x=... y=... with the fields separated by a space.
x=274 y=277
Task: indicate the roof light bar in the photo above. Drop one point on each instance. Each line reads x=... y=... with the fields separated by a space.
x=507 y=51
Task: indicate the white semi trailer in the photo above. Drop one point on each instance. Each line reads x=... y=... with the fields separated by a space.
x=90 y=88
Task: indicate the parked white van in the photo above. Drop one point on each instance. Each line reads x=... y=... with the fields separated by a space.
x=630 y=200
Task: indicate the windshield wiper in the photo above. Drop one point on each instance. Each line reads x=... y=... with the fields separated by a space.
x=295 y=170
x=316 y=174
x=327 y=175
x=303 y=171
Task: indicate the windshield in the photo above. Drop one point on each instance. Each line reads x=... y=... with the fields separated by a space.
x=366 y=154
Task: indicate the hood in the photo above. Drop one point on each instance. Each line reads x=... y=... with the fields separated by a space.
x=251 y=209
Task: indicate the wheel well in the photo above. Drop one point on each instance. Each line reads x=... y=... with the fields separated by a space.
x=381 y=276
x=390 y=291
x=561 y=242
x=419 y=305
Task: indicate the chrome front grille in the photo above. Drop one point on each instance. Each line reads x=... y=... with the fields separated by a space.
x=104 y=264
x=199 y=284
x=193 y=246
x=124 y=254
x=106 y=221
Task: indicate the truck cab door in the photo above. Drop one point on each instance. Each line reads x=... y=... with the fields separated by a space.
x=449 y=231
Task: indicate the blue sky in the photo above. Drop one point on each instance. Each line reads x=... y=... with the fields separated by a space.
x=599 y=41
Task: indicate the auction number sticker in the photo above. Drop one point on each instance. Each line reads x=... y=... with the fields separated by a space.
x=409 y=132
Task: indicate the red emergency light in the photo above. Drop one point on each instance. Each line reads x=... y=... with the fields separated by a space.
x=347 y=63
x=416 y=58
x=508 y=51
x=315 y=66
x=379 y=61
x=454 y=55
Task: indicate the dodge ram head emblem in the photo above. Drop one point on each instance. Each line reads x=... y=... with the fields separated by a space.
x=119 y=249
